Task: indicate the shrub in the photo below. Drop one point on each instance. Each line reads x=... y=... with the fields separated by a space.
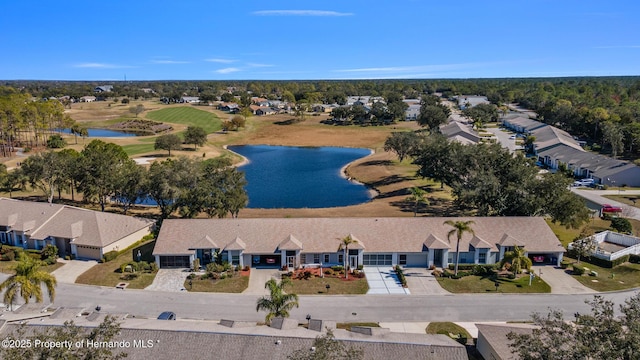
x=215 y=268
x=153 y=266
x=328 y=272
x=223 y=276
x=621 y=225
x=49 y=251
x=401 y=277
x=360 y=267
x=246 y=268
x=11 y=255
x=578 y=270
x=436 y=273
x=432 y=267
x=564 y=264
x=122 y=267
x=337 y=268
x=110 y=256
x=56 y=141
x=214 y=276
x=633 y=258
x=50 y=260
x=191 y=276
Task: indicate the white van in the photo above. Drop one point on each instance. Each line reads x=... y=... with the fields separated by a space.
x=584 y=182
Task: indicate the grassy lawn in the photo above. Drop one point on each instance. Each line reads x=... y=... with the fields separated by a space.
x=625 y=276
x=447 y=328
x=236 y=284
x=187 y=116
x=7 y=267
x=479 y=284
x=631 y=200
x=108 y=274
x=567 y=235
x=347 y=326
x=338 y=286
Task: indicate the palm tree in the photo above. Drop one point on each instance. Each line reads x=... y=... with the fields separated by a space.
x=344 y=246
x=459 y=228
x=27 y=281
x=417 y=197
x=518 y=260
x=278 y=303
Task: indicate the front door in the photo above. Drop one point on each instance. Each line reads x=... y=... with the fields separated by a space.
x=353 y=262
x=437 y=257
x=291 y=262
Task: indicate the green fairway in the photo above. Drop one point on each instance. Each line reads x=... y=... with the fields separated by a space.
x=135 y=149
x=187 y=116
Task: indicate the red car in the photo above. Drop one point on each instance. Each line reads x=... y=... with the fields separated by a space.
x=606 y=208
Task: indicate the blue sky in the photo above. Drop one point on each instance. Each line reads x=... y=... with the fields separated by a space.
x=329 y=39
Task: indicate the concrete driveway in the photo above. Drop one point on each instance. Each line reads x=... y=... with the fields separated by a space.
x=257 y=278
x=169 y=280
x=383 y=280
x=72 y=269
x=560 y=281
x=421 y=282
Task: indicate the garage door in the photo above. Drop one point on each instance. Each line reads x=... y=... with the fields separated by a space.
x=174 y=262
x=87 y=252
x=377 y=259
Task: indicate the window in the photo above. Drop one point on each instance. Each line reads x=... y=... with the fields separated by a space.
x=341 y=258
x=316 y=258
x=326 y=258
x=482 y=258
x=235 y=259
x=403 y=259
x=303 y=258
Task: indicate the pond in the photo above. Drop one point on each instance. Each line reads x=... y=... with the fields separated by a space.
x=103 y=133
x=300 y=177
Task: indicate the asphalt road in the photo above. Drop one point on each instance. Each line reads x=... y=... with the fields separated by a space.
x=386 y=308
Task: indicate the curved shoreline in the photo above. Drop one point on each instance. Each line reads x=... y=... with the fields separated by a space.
x=343 y=173
x=244 y=161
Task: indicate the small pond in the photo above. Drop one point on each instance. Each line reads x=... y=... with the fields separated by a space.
x=300 y=177
x=103 y=133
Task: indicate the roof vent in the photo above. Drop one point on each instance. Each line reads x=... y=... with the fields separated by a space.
x=313 y=349
x=278 y=342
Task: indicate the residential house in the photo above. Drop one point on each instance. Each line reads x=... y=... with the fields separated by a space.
x=418 y=242
x=88 y=99
x=412 y=112
x=456 y=131
x=150 y=339
x=265 y=110
x=230 y=107
x=493 y=343
x=76 y=232
x=103 y=88
x=190 y=99
x=465 y=101
x=324 y=108
x=522 y=124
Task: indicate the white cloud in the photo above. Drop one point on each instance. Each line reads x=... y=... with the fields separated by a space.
x=228 y=70
x=221 y=61
x=299 y=13
x=101 y=66
x=258 y=65
x=169 y=62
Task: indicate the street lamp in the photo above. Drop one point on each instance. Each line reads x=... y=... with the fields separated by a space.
x=496 y=284
x=328 y=287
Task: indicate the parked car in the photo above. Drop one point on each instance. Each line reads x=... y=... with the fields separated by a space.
x=167 y=315
x=610 y=209
x=512 y=137
x=584 y=182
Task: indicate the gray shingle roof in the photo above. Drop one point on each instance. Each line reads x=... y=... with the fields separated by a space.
x=171 y=340
x=496 y=337
x=317 y=235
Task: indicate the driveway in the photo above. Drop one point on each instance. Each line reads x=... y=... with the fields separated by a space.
x=383 y=280
x=503 y=138
x=421 y=282
x=257 y=278
x=72 y=269
x=560 y=281
x=169 y=280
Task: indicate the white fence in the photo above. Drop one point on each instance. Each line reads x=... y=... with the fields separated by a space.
x=631 y=244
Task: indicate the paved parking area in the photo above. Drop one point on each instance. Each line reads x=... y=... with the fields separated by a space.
x=383 y=280
x=169 y=280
